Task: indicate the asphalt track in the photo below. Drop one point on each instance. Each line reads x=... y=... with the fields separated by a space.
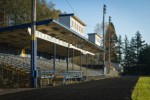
x=105 y=89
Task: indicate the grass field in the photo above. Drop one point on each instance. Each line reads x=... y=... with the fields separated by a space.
x=142 y=89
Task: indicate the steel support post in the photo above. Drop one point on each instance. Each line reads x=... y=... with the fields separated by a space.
x=72 y=59
x=91 y=61
x=33 y=71
x=54 y=57
x=86 y=65
x=67 y=57
x=80 y=61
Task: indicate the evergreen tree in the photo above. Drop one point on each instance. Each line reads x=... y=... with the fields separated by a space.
x=119 y=48
x=136 y=45
x=139 y=45
x=126 y=51
x=144 y=56
x=111 y=37
x=132 y=53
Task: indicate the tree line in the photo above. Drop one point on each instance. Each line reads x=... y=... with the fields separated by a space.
x=133 y=55
x=19 y=11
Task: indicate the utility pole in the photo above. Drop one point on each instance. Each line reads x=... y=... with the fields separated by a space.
x=104 y=12
x=33 y=71
x=109 y=42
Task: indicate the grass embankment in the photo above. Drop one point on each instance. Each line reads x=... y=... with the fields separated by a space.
x=142 y=89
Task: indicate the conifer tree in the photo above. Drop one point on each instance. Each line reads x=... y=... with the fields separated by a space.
x=126 y=51
x=111 y=37
x=119 y=49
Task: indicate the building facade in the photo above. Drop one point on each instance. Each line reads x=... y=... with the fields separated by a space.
x=74 y=23
x=95 y=38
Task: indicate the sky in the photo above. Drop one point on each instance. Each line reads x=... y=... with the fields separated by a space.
x=128 y=16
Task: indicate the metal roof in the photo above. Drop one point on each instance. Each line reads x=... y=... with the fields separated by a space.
x=19 y=37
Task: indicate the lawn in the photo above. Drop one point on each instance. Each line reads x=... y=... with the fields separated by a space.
x=142 y=89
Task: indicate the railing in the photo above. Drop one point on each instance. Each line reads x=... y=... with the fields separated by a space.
x=70 y=75
x=46 y=73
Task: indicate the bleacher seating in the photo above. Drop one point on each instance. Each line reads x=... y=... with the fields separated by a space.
x=19 y=68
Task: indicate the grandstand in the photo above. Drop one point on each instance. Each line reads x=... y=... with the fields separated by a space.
x=56 y=45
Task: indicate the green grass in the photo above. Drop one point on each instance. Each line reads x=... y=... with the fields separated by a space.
x=142 y=89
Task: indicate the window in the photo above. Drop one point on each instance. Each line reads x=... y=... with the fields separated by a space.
x=76 y=26
x=72 y=24
x=81 y=30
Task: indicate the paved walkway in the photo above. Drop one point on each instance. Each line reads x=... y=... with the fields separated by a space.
x=105 y=89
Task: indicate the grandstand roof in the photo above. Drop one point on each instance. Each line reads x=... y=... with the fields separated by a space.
x=18 y=36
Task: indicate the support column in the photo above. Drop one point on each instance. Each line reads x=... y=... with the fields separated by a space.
x=91 y=61
x=33 y=71
x=67 y=57
x=72 y=59
x=80 y=61
x=54 y=58
x=86 y=65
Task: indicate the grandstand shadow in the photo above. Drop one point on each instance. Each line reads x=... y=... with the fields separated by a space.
x=106 y=89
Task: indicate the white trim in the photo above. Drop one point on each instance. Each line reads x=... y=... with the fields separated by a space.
x=58 y=42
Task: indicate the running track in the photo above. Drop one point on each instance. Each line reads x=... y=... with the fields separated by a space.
x=105 y=89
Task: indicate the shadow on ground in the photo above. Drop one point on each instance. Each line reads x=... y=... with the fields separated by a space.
x=105 y=89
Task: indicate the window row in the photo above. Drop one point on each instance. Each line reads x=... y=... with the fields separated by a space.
x=77 y=27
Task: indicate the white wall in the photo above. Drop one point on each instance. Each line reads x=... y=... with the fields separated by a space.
x=76 y=26
x=72 y=24
x=97 y=40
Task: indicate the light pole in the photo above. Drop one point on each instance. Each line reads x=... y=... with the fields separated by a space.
x=33 y=71
x=104 y=12
x=109 y=41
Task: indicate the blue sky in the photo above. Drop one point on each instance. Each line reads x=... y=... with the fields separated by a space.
x=128 y=16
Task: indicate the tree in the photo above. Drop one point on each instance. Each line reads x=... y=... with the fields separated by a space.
x=19 y=11
x=136 y=45
x=144 y=61
x=132 y=53
x=111 y=37
x=139 y=44
x=119 y=49
x=126 y=51
x=144 y=56
x=135 y=54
